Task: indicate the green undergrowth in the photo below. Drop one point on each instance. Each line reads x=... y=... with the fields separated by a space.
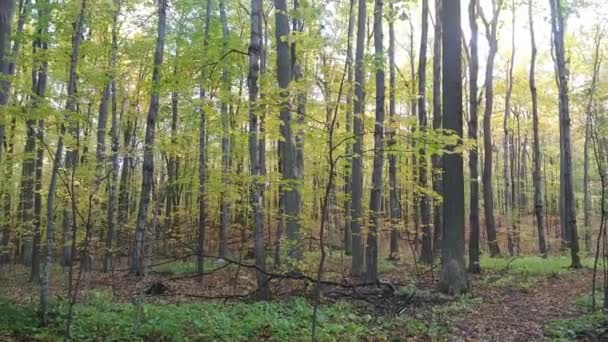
x=531 y=265
x=100 y=318
x=589 y=323
x=522 y=273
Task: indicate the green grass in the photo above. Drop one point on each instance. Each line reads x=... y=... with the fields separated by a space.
x=530 y=265
x=101 y=318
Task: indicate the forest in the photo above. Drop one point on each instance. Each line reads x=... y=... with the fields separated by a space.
x=305 y=170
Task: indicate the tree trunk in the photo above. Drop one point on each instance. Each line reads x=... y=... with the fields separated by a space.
x=488 y=194
x=508 y=154
x=474 y=266
x=202 y=162
x=436 y=159
x=115 y=146
x=426 y=254
x=357 y=160
x=453 y=276
x=137 y=258
x=348 y=128
x=6 y=19
x=225 y=119
x=568 y=217
x=291 y=174
x=256 y=194
x=375 y=216
x=395 y=210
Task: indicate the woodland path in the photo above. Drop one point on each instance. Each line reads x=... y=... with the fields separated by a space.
x=515 y=315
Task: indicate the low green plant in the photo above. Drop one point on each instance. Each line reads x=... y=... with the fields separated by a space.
x=101 y=318
x=530 y=265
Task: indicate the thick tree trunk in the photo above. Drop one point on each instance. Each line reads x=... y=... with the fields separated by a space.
x=568 y=217
x=137 y=258
x=426 y=254
x=474 y=266
x=357 y=160
x=453 y=277
x=291 y=174
x=6 y=19
x=375 y=216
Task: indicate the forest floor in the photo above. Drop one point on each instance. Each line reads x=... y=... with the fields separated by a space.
x=514 y=299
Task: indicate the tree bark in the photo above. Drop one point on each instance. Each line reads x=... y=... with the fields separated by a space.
x=474 y=266
x=6 y=19
x=426 y=254
x=568 y=216
x=137 y=258
x=290 y=173
x=357 y=160
x=349 y=130
x=488 y=193
x=375 y=202
x=453 y=278
x=255 y=169
x=202 y=161
x=225 y=120
x=436 y=159
x=394 y=207
x=537 y=177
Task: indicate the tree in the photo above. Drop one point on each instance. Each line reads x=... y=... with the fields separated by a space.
x=290 y=172
x=256 y=194
x=568 y=210
x=6 y=18
x=137 y=259
x=509 y=202
x=375 y=202
x=348 y=126
x=395 y=208
x=426 y=254
x=453 y=275
x=536 y=177
x=491 y=28
x=436 y=159
x=225 y=118
x=474 y=266
x=357 y=160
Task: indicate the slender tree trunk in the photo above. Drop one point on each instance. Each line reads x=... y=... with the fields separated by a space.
x=508 y=154
x=357 y=160
x=436 y=159
x=453 y=277
x=115 y=146
x=348 y=128
x=395 y=209
x=225 y=119
x=474 y=266
x=537 y=177
x=488 y=193
x=568 y=217
x=291 y=174
x=256 y=194
x=375 y=216
x=137 y=258
x=588 y=140
x=202 y=162
x=426 y=254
